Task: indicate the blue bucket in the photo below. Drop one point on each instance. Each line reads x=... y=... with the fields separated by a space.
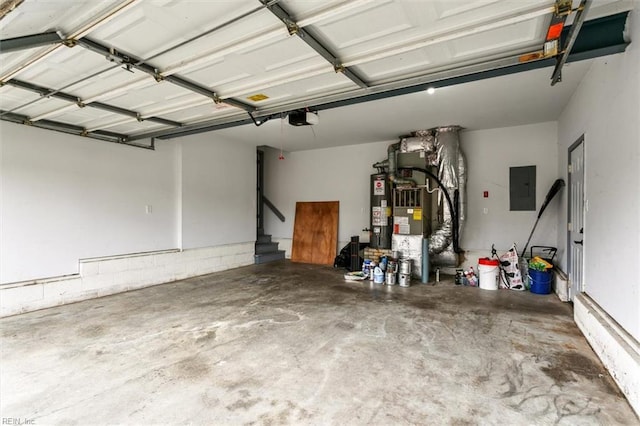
x=540 y=281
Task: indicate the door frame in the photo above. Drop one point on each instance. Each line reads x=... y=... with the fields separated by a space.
x=580 y=141
x=259 y=191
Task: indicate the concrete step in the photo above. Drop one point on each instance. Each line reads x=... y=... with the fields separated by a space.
x=264 y=238
x=263 y=248
x=269 y=257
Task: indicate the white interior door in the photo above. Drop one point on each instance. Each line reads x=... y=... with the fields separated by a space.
x=576 y=217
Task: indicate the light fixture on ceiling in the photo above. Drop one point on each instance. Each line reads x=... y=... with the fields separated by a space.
x=431 y=90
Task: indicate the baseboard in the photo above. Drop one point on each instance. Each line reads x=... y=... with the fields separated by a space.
x=617 y=349
x=561 y=285
x=115 y=274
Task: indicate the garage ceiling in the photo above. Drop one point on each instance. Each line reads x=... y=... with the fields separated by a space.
x=129 y=71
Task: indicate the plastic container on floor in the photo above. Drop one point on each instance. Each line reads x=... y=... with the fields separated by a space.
x=378 y=275
x=488 y=270
x=540 y=281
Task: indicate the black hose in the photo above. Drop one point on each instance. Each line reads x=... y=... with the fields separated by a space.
x=454 y=211
x=456 y=221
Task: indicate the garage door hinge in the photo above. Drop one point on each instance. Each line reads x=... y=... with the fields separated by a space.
x=70 y=42
x=563 y=7
x=292 y=27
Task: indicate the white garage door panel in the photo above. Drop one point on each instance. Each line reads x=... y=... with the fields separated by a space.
x=108 y=82
x=152 y=26
x=505 y=38
x=12 y=97
x=65 y=66
x=268 y=62
x=10 y=61
x=356 y=31
x=302 y=8
x=298 y=89
x=85 y=116
x=155 y=93
x=203 y=112
x=38 y=16
x=397 y=23
x=38 y=108
x=134 y=126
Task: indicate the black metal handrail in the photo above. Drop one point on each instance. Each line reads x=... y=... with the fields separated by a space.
x=273 y=208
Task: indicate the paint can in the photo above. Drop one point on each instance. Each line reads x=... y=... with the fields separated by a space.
x=392 y=266
x=405 y=266
x=366 y=267
x=390 y=278
x=404 y=280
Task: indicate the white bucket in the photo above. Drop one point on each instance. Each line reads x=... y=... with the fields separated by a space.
x=488 y=276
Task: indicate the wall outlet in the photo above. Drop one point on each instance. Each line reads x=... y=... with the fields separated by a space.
x=485 y=211
x=148 y=209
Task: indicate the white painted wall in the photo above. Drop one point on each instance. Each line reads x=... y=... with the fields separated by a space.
x=343 y=174
x=606 y=109
x=218 y=191
x=490 y=154
x=65 y=198
x=331 y=174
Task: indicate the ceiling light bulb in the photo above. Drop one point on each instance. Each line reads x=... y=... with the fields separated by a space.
x=431 y=90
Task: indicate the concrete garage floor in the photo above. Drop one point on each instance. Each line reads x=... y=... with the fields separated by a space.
x=286 y=343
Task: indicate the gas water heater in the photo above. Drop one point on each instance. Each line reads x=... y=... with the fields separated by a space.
x=381 y=204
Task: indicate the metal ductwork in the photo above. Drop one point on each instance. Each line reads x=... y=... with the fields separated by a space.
x=442 y=162
x=452 y=173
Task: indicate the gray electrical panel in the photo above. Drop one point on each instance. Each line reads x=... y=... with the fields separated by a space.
x=522 y=188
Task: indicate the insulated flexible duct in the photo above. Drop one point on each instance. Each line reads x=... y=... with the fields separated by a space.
x=452 y=174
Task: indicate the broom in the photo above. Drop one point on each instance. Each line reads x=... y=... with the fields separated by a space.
x=555 y=188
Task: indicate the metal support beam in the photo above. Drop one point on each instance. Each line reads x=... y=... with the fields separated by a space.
x=306 y=36
x=573 y=35
x=46 y=92
x=29 y=42
x=73 y=130
x=132 y=62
